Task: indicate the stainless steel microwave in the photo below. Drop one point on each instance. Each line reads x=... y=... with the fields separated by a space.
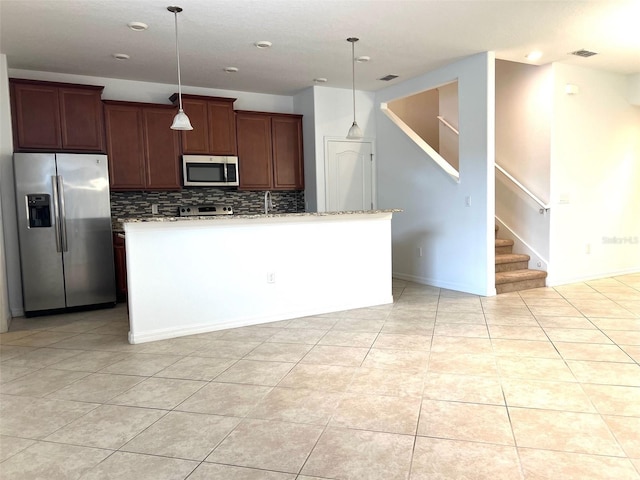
x=209 y=171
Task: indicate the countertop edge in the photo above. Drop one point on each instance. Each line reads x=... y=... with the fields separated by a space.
x=159 y=219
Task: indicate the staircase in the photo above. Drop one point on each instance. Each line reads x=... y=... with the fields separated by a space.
x=512 y=273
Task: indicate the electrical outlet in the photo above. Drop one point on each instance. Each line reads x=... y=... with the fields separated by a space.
x=271 y=277
x=154 y=209
x=587 y=249
x=419 y=251
x=467 y=200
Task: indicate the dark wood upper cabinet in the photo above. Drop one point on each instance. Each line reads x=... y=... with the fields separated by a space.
x=162 y=147
x=143 y=151
x=270 y=151
x=125 y=146
x=56 y=116
x=254 y=151
x=82 y=119
x=288 y=169
x=213 y=121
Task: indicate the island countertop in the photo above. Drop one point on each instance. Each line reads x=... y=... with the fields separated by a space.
x=118 y=223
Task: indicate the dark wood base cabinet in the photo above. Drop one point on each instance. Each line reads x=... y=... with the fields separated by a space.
x=270 y=151
x=120 y=260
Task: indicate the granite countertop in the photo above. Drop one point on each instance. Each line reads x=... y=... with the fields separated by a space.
x=117 y=224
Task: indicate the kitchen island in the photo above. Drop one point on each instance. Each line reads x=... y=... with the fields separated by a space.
x=189 y=275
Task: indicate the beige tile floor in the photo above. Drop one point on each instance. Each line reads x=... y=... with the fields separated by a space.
x=539 y=384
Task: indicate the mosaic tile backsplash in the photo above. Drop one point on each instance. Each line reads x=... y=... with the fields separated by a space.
x=138 y=204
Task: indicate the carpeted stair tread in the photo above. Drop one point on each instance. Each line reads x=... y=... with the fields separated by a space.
x=519 y=276
x=503 y=246
x=512 y=273
x=504 y=242
x=511 y=258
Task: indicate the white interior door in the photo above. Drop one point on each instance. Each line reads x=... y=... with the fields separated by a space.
x=349 y=176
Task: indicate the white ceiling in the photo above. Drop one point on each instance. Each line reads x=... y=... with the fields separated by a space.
x=402 y=37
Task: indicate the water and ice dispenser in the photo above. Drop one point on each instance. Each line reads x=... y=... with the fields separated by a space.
x=39 y=210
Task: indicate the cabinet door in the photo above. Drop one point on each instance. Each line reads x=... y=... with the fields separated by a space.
x=196 y=141
x=125 y=147
x=254 y=151
x=288 y=170
x=162 y=149
x=81 y=119
x=120 y=261
x=222 y=128
x=36 y=116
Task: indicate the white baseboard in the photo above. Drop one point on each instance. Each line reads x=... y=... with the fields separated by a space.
x=434 y=282
x=554 y=282
x=196 y=328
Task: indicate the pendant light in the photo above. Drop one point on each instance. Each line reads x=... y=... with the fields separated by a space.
x=354 y=132
x=180 y=121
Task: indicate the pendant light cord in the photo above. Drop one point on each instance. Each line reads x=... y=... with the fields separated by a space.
x=175 y=16
x=353 y=77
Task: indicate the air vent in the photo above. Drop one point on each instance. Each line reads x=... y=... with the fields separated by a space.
x=583 y=53
x=388 y=78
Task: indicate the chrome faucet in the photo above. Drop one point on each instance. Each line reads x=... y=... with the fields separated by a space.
x=268 y=203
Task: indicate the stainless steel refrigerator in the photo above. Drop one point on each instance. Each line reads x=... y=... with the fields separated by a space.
x=64 y=227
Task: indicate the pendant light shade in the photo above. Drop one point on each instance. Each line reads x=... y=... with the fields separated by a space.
x=354 y=132
x=180 y=121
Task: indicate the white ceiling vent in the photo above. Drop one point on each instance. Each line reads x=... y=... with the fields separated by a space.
x=388 y=78
x=583 y=53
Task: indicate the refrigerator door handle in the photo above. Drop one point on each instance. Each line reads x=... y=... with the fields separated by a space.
x=63 y=215
x=56 y=212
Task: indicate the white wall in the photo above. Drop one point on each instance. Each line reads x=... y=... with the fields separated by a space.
x=448 y=109
x=10 y=281
x=524 y=104
x=595 y=167
x=303 y=104
x=421 y=112
x=328 y=263
x=333 y=118
x=131 y=91
x=456 y=240
x=633 y=89
x=115 y=89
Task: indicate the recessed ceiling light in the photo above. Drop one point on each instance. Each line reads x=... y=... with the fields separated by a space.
x=363 y=59
x=137 y=26
x=231 y=69
x=533 y=56
x=263 y=44
x=121 y=56
x=320 y=80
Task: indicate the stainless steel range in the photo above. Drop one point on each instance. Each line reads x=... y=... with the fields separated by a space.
x=204 y=210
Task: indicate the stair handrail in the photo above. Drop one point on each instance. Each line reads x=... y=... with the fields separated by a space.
x=544 y=206
x=454 y=129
